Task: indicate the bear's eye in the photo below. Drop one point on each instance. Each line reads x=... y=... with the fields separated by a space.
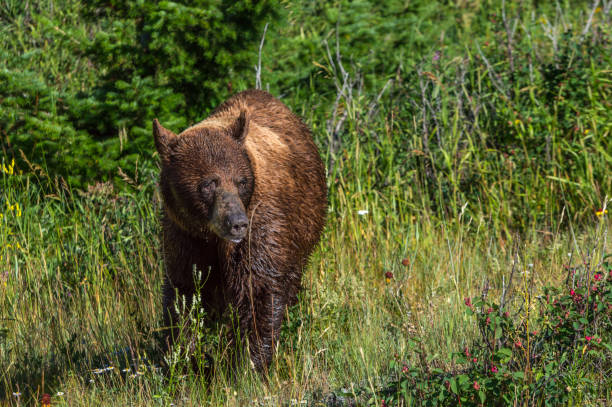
x=242 y=183
x=208 y=186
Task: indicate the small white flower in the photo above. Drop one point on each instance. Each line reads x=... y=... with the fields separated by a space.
x=569 y=255
x=91 y=380
x=125 y=370
x=109 y=368
x=60 y=393
x=362 y=212
x=16 y=394
x=530 y=265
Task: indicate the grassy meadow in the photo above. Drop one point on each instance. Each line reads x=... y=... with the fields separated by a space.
x=470 y=159
x=81 y=293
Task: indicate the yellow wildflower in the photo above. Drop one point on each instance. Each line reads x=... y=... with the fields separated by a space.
x=10 y=169
x=598 y=10
x=14 y=208
x=601 y=212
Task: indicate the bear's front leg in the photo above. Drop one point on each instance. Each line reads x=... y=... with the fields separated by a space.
x=191 y=268
x=260 y=313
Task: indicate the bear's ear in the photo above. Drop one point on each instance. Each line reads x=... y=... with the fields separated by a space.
x=240 y=128
x=163 y=140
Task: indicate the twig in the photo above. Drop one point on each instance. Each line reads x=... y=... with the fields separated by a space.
x=334 y=125
x=344 y=90
x=423 y=86
x=509 y=39
x=338 y=56
x=374 y=104
x=258 y=67
x=506 y=288
x=551 y=33
x=590 y=20
x=492 y=73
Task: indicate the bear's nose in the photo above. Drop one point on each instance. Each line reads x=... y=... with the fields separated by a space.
x=238 y=223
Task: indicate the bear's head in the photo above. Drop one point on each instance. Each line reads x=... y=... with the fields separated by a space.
x=207 y=178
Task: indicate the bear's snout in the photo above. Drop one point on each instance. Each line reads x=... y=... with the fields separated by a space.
x=237 y=224
x=229 y=219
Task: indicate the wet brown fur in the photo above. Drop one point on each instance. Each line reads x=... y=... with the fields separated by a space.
x=260 y=276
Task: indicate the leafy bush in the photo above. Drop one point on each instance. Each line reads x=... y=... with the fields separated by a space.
x=556 y=349
x=185 y=55
x=172 y=60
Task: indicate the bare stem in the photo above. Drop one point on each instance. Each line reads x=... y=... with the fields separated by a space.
x=258 y=67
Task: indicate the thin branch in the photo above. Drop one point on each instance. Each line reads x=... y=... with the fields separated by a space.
x=258 y=67
x=509 y=39
x=492 y=73
x=374 y=104
x=590 y=20
x=506 y=288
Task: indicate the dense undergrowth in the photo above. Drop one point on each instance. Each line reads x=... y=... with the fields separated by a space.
x=468 y=153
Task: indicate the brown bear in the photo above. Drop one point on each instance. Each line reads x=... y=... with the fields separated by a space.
x=245 y=200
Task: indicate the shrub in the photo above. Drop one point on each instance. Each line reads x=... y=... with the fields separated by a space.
x=555 y=349
x=79 y=95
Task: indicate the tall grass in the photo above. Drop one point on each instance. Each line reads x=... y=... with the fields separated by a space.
x=81 y=293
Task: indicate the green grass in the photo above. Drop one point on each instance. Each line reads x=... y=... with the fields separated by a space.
x=83 y=291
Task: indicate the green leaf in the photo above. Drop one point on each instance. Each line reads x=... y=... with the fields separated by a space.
x=453 y=385
x=463 y=379
x=498 y=332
